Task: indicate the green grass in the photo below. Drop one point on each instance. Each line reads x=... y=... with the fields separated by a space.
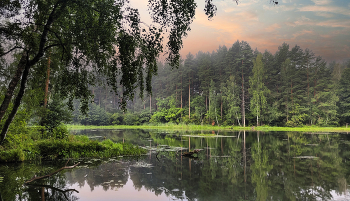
x=191 y=127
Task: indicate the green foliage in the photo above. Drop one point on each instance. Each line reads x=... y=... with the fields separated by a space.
x=117 y=119
x=55 y=115
x=298 y=117
x=96 y=116
x=131 y=119
x=70 y=147
x=344 y=95
x=257 y=89
x=167 y=111
x=12 y=155
x=198 y=103
x=231 y=98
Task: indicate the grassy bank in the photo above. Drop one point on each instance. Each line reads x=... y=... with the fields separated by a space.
x=70 y=147
x=184 y=127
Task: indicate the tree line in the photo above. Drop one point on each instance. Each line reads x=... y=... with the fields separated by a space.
x=242 y=86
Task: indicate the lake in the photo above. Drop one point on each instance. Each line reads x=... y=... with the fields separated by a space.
x=228 y=166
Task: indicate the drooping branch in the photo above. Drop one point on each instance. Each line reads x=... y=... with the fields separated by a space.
x=55 y=172
x=16 y=47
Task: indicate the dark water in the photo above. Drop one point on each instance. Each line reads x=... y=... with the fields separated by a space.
x=230 y=166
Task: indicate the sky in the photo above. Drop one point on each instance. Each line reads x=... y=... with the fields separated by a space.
x=322 y=26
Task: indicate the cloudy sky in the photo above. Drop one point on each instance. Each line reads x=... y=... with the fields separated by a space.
x=323 y=26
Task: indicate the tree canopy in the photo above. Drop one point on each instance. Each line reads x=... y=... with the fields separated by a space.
x=90 y=37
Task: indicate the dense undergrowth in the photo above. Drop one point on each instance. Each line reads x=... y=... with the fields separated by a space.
x=33 y=145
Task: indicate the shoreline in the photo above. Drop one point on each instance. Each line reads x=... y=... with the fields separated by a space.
x=183 y=127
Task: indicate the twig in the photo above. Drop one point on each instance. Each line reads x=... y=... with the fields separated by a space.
x=49 y=175
x=157 y=156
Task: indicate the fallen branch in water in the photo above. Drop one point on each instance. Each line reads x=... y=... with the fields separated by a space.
x=56 y=189
x=49 y=175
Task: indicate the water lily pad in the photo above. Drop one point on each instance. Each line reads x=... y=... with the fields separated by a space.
x=306 y=157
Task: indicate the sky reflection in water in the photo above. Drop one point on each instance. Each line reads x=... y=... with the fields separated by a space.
x=251 y=166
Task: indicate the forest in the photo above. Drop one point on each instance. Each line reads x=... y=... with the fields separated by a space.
x=234 y=86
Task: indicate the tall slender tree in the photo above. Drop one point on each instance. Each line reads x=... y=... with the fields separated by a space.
x=257 y=89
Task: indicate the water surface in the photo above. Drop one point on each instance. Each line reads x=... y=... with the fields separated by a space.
x=229 y=166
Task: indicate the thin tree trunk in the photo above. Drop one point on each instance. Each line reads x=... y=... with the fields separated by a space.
x=176 y=92
x=16 y=104
x=243 y=105
x=257 y=116
x=189 y=99
x=47 y=81
x=209 y=105
x=12 y=86
x=221 y=108
x=150 y=103
x=308 y=87
x=206 y=103
x=291 y=93
x=181 y=91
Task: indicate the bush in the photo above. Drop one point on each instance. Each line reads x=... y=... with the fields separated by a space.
x=60 y=132
x=131 y=119
x=117 y=119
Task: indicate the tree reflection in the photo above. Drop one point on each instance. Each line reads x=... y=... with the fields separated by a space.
x=251 y=166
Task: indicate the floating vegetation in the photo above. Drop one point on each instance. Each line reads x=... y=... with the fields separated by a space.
x=306 y=157
x=206 y=135
x=142 y=164
x=164 y=148
x=311 y=144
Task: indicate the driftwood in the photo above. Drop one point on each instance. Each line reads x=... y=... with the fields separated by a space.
x=190 y=154
x=49 y=175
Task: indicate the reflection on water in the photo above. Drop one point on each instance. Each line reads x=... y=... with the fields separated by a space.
x=235 y=166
